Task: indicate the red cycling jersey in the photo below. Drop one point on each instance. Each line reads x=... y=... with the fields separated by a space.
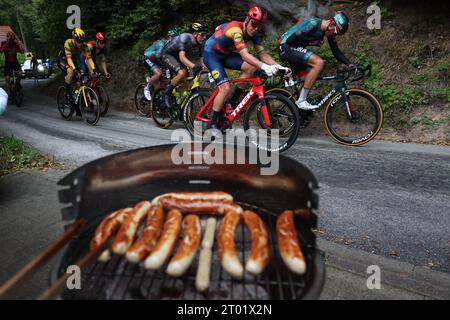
x=11 y=51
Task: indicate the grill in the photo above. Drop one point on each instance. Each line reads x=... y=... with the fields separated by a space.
x=122 y=180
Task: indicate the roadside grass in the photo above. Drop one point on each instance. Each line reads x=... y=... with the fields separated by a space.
x=15 y=155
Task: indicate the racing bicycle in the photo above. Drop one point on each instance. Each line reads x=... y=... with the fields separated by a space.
x=84 y=100
x=101 y=92
x=16 y=89
x=353 y=120
x=270 y=112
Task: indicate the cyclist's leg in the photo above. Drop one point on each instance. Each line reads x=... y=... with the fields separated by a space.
x=303 y=60
x=83 y=66
x=234 y=61
x=8 y=70
x=177 y=68
x=215 y=63
x=17 y=71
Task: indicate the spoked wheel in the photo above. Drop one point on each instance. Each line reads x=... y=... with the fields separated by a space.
x=194 y=104
x=284 y=123
x=143 y=106
x=89 y=106
x=359 y=126
x=103 y=98
x=64 y=107
x=162 y=116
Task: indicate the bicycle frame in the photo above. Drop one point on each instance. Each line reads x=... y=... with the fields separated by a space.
x=195 y=85
x=340 y=87
x=256 y=90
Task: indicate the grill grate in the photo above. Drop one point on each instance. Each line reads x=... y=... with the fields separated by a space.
x=120 y=280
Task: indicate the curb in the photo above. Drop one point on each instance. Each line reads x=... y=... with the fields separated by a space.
x=413 y=280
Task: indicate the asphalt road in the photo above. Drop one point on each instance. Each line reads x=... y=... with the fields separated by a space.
x=386 y=198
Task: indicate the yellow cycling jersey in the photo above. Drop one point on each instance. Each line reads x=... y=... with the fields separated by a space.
x=70 y=50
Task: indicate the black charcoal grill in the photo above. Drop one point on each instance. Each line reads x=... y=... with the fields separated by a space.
x=122 y=180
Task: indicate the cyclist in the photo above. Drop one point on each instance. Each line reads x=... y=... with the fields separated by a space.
x=10 y=48
x=309 y=32
x=152 y=60
x=73 y=47
x=98 y=49
x=174 y=57
x=227 y=48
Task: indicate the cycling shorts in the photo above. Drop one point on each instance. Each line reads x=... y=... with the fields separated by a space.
x=151 y=65
x=296 y=56
x=172 y=63
x=217 y=62
x=10 y=67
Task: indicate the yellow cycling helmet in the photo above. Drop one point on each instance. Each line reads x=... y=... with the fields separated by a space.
x=198 y=27
x=79 y=35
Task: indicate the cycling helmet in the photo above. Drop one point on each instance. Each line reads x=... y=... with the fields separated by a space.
x=79 y=34
x=173 y=32
x=198 y=27
x=10 y=35
x=258 y=14
x=341 y=20
x=100 y=36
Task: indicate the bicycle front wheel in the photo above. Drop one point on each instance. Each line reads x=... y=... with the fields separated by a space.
x=284 y=126
x=143 y=106
x=159 y=111
x=64 y=107
x=89 y=106
x=194 y=104
x=356 y=126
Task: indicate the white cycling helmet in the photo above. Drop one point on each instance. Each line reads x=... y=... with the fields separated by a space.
x=3 y=100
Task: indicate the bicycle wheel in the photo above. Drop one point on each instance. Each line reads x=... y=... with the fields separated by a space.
x=284 y=118
x=195 y=102
x=159 y=112
x=64 y=107
x=143 y=106
x=89 y=106
x=365 y=122
x=103 y=98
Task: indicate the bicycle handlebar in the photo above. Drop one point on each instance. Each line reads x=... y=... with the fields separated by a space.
x=363 y=72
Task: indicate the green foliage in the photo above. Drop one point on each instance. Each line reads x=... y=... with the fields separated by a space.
x=15 y=155
x=397 y=100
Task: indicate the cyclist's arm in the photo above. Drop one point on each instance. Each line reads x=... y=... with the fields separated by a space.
x=250 y=59
x=337 y=53
x=184 y=60
x=89 y=61
x=4 y=46
x=265 y=57
x=20 y=48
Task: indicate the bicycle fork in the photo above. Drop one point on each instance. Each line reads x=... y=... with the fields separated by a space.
x=347 y=102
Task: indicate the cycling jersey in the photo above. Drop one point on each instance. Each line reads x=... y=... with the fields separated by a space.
x=154 y=51
x=306 y=33
x=11 y=50
x=183 y=42
x=230 y=37
x=221 y=49
x=97 y=52
x=170 y=54
x=69 y=50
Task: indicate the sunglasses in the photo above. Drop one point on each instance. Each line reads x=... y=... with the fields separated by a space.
x=256 y=25
x=334 y=27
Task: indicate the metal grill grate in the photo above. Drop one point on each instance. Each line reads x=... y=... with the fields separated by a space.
x=118 y=279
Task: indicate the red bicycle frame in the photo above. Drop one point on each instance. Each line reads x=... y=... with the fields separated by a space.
x=257 y=89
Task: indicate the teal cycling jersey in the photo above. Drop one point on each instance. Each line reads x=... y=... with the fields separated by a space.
x=154 y=51
x=306 y=33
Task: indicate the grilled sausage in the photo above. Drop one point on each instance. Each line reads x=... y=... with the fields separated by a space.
x=127 y=231
x=194 y=196
x=203 y=278
x=259 y=256
x=227 y=249
x=146 y=242
x=166 y=242
x=210 y=230
x=188 y=247
x=289 y=244
x=217 y=207
x=107 y=227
